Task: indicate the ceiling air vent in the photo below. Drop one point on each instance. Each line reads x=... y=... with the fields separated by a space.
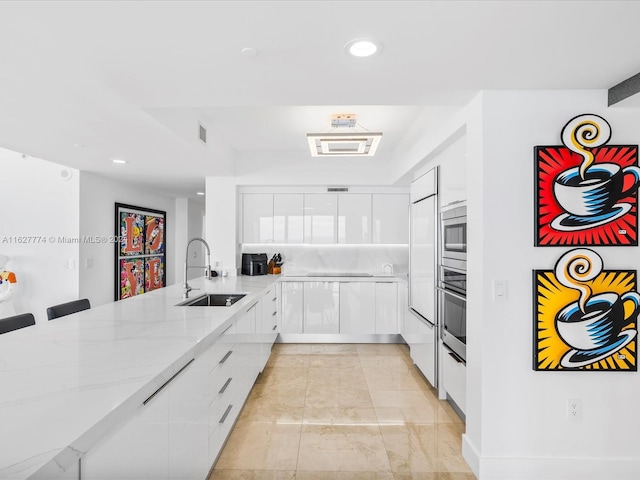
x=202 y=133
x=337 y=189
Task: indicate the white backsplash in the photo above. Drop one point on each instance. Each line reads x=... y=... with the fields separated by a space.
x=336 y=258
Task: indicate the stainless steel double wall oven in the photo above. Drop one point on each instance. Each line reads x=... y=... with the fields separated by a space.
x=453 y=281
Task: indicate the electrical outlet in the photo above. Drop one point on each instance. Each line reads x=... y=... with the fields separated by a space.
x=574 y=409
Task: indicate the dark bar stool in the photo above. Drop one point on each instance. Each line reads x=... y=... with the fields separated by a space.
x=68 y=308
x=9 y=324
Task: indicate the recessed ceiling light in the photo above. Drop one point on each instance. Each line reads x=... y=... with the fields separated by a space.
x=119 y=161
x=249 y=52
x=362 y=47
x=199 y=193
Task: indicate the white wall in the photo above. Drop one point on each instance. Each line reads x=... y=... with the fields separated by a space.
x=98 y=196
x=516 y=420
x=221 y=229
x=38 y=201
x=189 y=224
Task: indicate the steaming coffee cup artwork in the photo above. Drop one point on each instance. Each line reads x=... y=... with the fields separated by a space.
x=597 y=325
x=591 y=194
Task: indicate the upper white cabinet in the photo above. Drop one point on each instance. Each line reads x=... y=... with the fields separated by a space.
x=390 y=218
x=320 y=218
x=257 y=218
x=354 y=218
x=453 y=173
x=288 y=218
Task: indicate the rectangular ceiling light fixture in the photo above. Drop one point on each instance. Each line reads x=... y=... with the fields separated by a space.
x=343 y=144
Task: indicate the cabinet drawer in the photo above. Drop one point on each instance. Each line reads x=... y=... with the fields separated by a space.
x=454 y=379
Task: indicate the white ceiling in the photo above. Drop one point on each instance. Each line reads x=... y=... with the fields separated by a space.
x=84 y=82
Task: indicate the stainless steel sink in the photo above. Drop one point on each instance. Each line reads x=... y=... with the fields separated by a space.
x=213 y=300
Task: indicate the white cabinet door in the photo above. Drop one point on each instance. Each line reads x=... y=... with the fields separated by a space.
x=453 y=173
x=386 y=307
x=292 y=307
x=138 y=449
x=357 y=307
x=421 y=338
x=257 y=218
x=422 y=270
x=320 y=218
x=288 y=218
x=391 y=218
x=354 y=218
x=189 y=397
x=454 y=378
x=321 y=307
x=268 y=324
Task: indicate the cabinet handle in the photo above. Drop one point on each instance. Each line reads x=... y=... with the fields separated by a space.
x=224 y=359
x=226 y=329
x=274 y=327
x=456 y=357
x=168 y=382
x=274 y=314
x=226 y=412
x=249 y=309
x=226 y=384
x=274 y=299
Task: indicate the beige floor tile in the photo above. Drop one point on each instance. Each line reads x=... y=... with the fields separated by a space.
x=252 y=475
x=342 y=448
x=293 y=377
x=323 y=395
x=261 y=446
x=344 y=476
x=378 y=349
x=287 y=396
x=411 y=448
x=339 y=416
x=416 y=476
x=287 y=361
x=399 y=398
x=386 y=379
x=292 y=348
x=384 y=361
x=275 y=413
x=334 y=349
x=402 y=416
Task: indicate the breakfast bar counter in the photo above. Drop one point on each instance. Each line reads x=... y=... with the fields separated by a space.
x=66 y=383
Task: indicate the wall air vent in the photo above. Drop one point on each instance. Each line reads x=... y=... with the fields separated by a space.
x=202 y=133
x=343 y=144
x=337 y=189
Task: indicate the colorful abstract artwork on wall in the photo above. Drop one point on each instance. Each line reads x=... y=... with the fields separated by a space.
x=585 y=316
x=586 y=191
x=140 y=251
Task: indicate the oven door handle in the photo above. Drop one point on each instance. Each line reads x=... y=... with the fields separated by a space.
x=453 y=294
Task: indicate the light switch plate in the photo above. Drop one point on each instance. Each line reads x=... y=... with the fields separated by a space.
x=500 y=290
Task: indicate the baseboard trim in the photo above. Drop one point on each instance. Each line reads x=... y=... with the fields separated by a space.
x=338 y=338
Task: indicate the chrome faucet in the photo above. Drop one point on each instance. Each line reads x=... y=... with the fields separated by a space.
x=207 y=268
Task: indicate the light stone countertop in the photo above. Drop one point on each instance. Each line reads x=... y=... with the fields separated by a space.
x=65 y=383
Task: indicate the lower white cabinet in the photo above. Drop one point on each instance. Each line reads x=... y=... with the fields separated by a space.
x=420 y=335
x=292 y=307
x=454 y=378
x=138 y=449
x=386 y=306
x=321 y=307
x=178 y=432
x=268 y=324
x=358 y=307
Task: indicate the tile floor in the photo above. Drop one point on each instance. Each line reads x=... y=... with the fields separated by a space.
x=343 y=412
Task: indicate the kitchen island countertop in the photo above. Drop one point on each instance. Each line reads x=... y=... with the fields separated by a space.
x=67 y=382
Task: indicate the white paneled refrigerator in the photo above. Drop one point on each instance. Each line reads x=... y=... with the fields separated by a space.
x=422 y=331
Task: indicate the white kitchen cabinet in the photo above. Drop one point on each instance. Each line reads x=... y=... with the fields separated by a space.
x=454 y=378
x=321 y=307
x=288 y=218
x=354 y=218
x=390 y=218
x=269 y=322
x=138 y=449
x=453 y=173
x=189 y=397
x=320 y=218
x=292 y=307
x=421 y=338
x=257 y=218
x=358 y=307
x=386 y=307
